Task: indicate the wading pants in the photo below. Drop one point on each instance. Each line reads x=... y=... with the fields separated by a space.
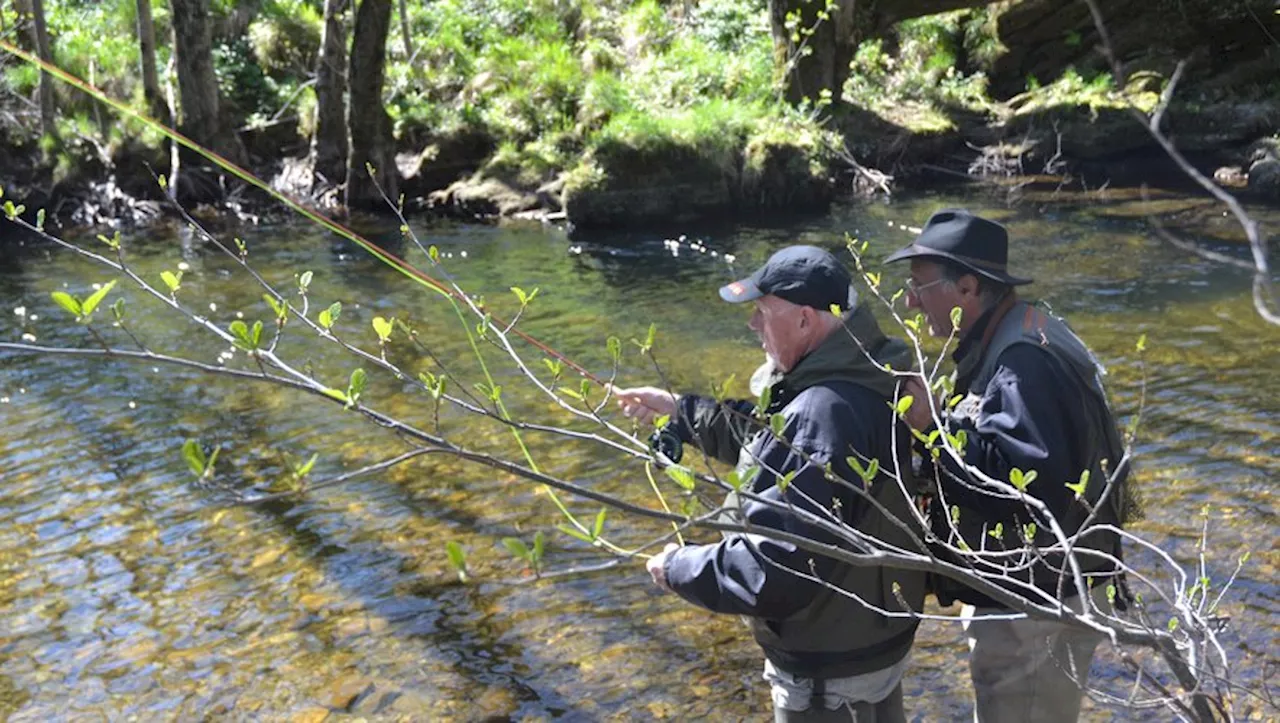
x=871 y=698
x=1029 y=671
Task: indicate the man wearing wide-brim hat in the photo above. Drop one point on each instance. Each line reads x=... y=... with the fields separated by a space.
x=1032 y=401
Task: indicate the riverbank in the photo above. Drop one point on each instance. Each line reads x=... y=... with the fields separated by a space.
x=643 y=114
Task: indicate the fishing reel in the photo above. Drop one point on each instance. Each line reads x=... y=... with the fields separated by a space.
x=666 y=442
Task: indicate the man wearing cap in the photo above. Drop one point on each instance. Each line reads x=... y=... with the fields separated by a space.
x=1033 y=400
x=828 y=657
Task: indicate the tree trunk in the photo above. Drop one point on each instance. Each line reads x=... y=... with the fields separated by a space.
x=812 y=53
x=371 y=140
x=404 y=30
x=147 y=54
x=41 y=32
x=197 y=84
x=329 y=144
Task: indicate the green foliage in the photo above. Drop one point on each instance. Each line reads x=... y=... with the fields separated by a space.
x=533 y=556
x=457 y=559
x=917 y=86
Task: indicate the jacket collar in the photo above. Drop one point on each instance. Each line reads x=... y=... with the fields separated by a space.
x=974 y=344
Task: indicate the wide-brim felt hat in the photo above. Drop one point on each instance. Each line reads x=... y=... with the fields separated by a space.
x=978 y=244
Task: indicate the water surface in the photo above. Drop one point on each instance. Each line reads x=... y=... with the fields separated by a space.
x=126 y=590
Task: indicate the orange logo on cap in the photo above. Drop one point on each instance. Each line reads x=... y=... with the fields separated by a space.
x=736 y=288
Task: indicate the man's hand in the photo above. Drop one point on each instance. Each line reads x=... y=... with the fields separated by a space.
x=645 y=403
x=656 y=563
x=920 y=415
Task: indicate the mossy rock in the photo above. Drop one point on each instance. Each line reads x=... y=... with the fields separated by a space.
x=617 y=185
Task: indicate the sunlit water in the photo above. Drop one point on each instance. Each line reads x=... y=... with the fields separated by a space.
x=125 y=590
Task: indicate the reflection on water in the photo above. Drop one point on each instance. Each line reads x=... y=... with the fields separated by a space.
x=127 y=591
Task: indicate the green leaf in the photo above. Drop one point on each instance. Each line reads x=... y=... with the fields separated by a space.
x=328 y=317
x=556 y=367
x=355 y=386
x=40 y=220
x=720 y=391
x=240 y=331
x=518 y=548
x=279 y=308
x=96 y=297
x=539 y=546
x=873 y=469
x=785 y=480
x=1029 y=532
x=305 y=469
x=574 y=532
x=194 y=456
x=614 y=345
x=598 y=526
x=256 y=338
x=433 y=253
x=213 y=459
x=953 y=401
x=1080 y=487
x=661 y=420
x=335 y=394
x=117 y=309
x=912 y=324
x=651 y=337
x=1111 y=594
x=998 y=531
x=1142 y=343
x=171 y=280
x=904 y=404
x=956 y=315
x=777 y=423
x=304 y=281
x=68 y=302
x=734 y=480
x=766 y=396
x=1015 y=479
x=835 y=310
x=1173 y=624
x=681 y=476
x=955 y=514
x=383 y=328
x=855 y=464
x=457 y=559
x=523 y=297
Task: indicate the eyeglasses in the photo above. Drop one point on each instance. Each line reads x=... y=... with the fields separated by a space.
x=915 y=288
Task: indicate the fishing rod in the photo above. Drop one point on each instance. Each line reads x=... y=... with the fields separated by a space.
x=399 y=264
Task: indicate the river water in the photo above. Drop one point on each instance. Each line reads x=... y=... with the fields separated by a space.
x=129 y=592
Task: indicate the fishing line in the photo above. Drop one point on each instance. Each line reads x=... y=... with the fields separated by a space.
x=376 y=251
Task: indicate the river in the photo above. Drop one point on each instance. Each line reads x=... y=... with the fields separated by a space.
x=129 y=592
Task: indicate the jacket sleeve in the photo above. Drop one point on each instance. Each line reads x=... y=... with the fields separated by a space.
x=748 y=574
x=718 y=428
x=1022 y=422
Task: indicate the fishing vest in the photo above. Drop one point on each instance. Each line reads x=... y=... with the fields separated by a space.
x=1026 y=324
x=836 y=636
